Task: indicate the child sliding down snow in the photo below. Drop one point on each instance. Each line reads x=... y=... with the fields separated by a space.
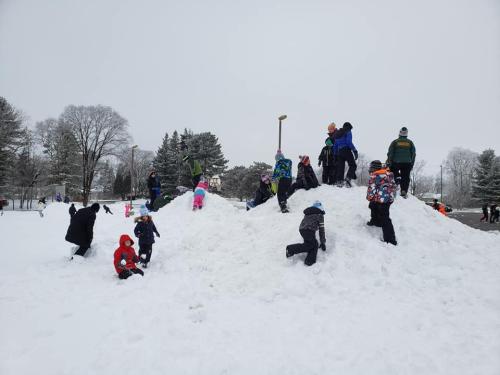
x=125 y=258
x=313 y=220
x=263 y=193
x=199 y=194
x=145 y=231
x=381 y=188
x=306 y=178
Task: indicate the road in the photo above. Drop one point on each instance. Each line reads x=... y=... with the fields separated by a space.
x=472 y=219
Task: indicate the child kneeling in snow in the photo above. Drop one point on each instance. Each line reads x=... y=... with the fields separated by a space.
x=126 y=258
x=313 y=220
x=380 y=194
x=199 y=194
x=145 y=230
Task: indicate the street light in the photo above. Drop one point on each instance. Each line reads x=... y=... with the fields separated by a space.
x=281 y=118
x=132 y=176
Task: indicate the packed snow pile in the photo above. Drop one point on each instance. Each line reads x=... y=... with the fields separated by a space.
x=220 y=297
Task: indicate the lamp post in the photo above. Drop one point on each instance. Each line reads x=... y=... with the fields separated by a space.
x=441 y=198
x=281 y=118
x=132 y=176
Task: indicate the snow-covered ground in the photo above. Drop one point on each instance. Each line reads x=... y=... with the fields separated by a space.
x=220 y=297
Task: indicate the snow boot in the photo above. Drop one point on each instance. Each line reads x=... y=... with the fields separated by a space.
x=340 y=184
x=348 y=182
x=284 y=208
x=404 y=194
x=288 y=253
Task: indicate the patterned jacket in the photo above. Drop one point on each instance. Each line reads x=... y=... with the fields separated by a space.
x=282 y=169
x=381 y=187
x=314 y=220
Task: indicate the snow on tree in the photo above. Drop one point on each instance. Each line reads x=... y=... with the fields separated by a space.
x=459 y=167
x=11 y=137
x=486 y=185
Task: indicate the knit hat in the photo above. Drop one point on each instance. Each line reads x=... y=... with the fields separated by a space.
x=347 y=125
x=304 y=159
x=403 y=132
x=279 y=155
x=144 y=210
x=329 y=142
x=95 y=207
x=332 y=127
x=375 y=165
x=265 y=178
x=318 y=204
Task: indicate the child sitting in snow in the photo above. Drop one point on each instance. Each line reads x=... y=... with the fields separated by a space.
x=306 y=178
x=199 y=194
x=263 y=193
x=125 y=258
x=381 y=189
x=145 y=230
x=313 y=220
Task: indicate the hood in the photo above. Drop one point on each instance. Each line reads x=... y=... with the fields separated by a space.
x=125 y=237
x=313 y=211
x=340 y=133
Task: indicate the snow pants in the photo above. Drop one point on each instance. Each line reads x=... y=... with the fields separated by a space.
x=345 y=155
x=283 y=188
x=125 y=274
x=328 y=176
x=198 y=201
x=402 y=174
x=380 y=218
x=310 y=246
x=145 y=250
x=81 y=251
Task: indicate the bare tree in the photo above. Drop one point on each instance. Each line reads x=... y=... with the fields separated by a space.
x=99 y=132
x=459 y=167
x=143 y=164
x=362 y=171
x=416 y=176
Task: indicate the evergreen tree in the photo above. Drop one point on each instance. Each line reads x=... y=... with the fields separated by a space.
x=486 y=186
x=106 y=178
x=205 y=148
x=11 y=137
x=174 y=162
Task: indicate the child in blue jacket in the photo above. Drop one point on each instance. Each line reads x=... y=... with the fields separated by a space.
x=145 y=230
x=283 y=176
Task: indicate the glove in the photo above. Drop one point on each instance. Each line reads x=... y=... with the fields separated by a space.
x=157 y=234
x=322 y=247
x=355 y=152
x=123 y=262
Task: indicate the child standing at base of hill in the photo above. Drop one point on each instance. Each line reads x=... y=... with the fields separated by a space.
x=145 y=230
x=125 y=258
x=313 y=221
x=380 y=194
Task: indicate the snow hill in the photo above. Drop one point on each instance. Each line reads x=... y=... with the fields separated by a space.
x=220 y=297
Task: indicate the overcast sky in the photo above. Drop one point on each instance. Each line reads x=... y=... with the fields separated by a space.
x=232 y=67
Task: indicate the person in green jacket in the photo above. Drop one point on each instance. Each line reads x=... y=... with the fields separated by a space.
x=195 y=168
x=401 y=158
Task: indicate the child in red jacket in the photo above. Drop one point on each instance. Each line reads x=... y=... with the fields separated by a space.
x=126 y=258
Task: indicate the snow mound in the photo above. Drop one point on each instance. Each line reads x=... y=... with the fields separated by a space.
x=220 y=296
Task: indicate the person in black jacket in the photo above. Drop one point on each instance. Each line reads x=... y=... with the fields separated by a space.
x=327 y=160
x=81 y=228
x=493 y=209
x=145 y=230
x=485 y=213
x=306 y=178
x=72 y=210
x=154 y=187
x=107 y=209
x=313 y=220
x=263 y=193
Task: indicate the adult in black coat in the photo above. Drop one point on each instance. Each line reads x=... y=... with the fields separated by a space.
x=81 y=228
x=154 y=187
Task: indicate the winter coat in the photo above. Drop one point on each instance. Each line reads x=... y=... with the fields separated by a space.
x=154 y=182
x=144 y=231
x=125 y=252
x=81 y=228
x=343 y=139
x=264 y=192
x=282 y=169
x=195 y=167
x=401 y=150
x=326 y=157
x=381 y=187
x=72 y=210
x=313 y=220
x=306 y=176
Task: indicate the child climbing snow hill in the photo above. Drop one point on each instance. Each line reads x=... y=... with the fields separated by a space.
x=125 y=258
x=380 y=194
x=313 y=221
x=145 y=230
x=199 y=194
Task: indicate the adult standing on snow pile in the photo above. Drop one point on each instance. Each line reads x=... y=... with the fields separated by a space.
x=313 y=220
x=283 y=176
x=332 y=129
x=194 y=168
x=401 y=158
x=344 y=151
x=154 y=186
x=81 y=229
x=380 y=194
